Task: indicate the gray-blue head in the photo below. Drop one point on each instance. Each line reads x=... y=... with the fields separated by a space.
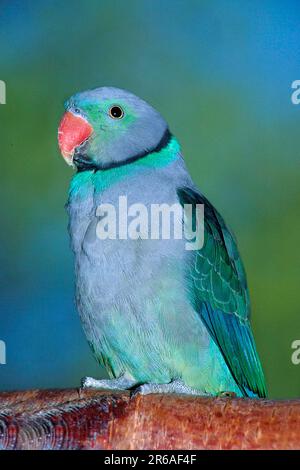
x=108 y=126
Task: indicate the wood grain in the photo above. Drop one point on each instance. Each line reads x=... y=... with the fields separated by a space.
x=76 y=419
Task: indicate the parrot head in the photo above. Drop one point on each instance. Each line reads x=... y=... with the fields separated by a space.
x=107 y=126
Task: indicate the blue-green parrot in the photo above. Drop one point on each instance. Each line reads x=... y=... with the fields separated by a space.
x=161 y=318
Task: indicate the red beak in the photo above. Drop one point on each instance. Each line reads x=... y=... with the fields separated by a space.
x=73 y=131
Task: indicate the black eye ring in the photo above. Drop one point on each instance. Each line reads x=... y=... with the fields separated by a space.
x=116 y=112
x=77 y=111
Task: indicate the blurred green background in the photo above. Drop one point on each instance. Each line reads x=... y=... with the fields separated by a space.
x=220 y=72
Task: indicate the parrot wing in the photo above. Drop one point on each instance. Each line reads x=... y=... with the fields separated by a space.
x=219 y=292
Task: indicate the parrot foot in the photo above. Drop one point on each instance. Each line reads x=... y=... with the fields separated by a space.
x=121 y=383
x=176 y=386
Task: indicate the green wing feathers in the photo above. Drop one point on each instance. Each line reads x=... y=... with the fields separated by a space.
x=219 y=293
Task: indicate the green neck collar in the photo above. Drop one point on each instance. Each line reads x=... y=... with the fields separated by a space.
x=102 y=179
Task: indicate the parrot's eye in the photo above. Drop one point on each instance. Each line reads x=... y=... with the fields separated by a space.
x=76 y=110
x=116 y=112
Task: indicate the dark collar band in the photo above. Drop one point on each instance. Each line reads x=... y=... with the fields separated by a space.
x=83 y=164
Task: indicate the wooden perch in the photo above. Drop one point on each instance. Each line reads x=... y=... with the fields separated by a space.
x=77 y=419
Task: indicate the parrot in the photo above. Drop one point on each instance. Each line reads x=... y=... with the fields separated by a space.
x=160 y=318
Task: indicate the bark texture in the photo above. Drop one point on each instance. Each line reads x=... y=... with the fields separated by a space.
x=76 y=419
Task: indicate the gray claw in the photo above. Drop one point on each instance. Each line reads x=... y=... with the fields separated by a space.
x=176 y=386
x=121 y=383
